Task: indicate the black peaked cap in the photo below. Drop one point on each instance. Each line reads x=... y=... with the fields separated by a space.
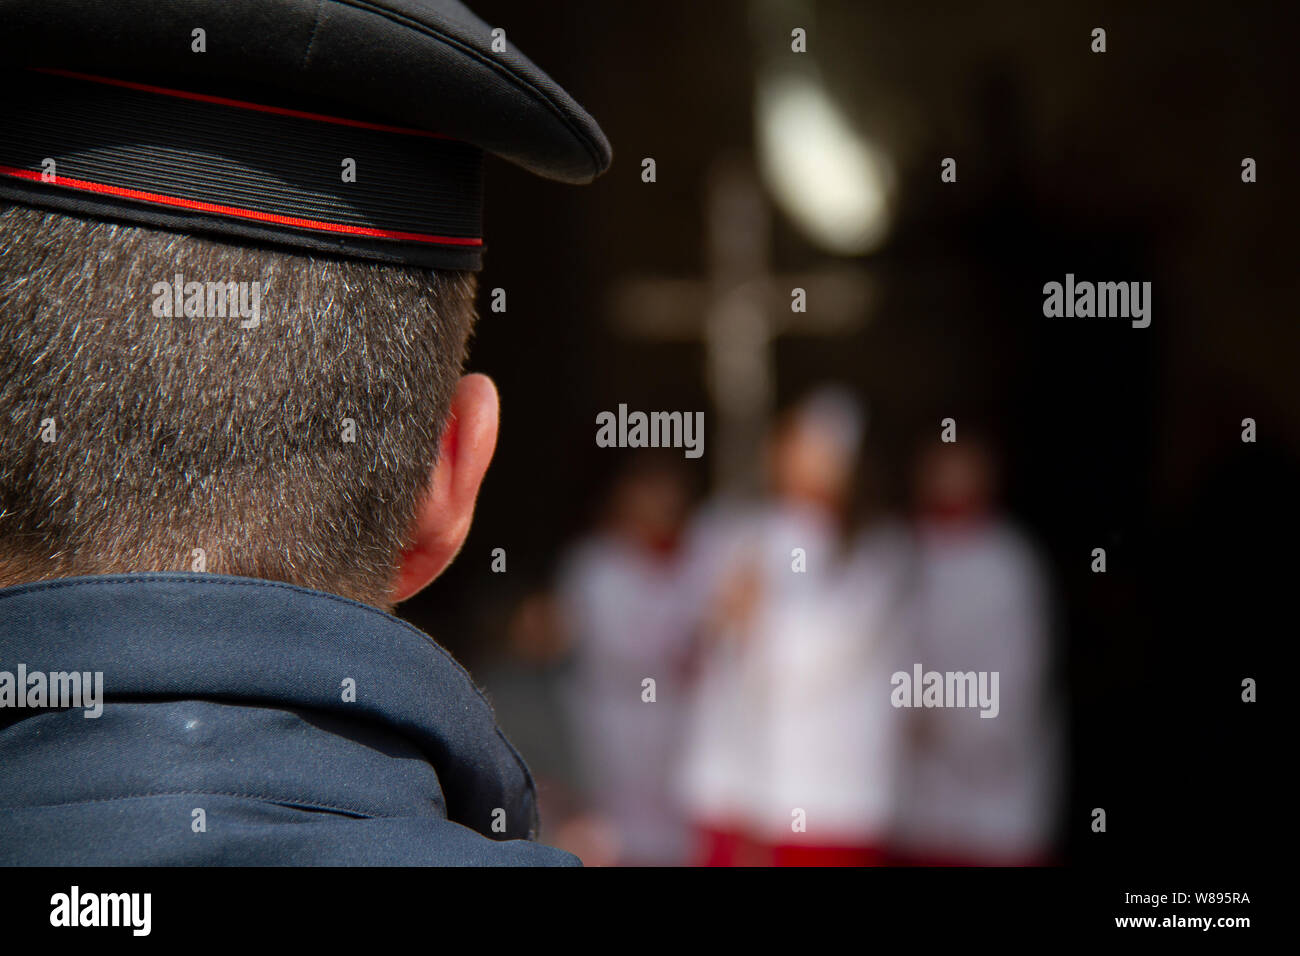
x=246 y=137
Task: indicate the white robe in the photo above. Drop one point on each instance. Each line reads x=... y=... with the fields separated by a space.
x=792 y=717
x=984 y=789
x=628 y=614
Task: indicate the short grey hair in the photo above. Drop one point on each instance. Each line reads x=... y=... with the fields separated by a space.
x=177 y=434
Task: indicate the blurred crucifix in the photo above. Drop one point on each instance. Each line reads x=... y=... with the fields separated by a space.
x=738 y=310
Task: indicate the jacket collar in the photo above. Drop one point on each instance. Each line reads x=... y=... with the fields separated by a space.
x=245 y=640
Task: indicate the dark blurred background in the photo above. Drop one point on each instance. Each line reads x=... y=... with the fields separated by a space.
x=1117 y=166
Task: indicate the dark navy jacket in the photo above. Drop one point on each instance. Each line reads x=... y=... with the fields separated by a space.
x=226 y=695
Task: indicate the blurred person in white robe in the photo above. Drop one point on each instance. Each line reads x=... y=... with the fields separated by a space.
x=977 y=790
x=789 y=757
x=626 y=607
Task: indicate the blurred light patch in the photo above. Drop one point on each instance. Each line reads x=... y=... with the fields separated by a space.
x=830 y=180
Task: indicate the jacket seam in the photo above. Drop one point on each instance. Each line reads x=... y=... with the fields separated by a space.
x=264 y=797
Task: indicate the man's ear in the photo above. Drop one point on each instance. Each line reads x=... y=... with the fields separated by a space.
x=443 y=514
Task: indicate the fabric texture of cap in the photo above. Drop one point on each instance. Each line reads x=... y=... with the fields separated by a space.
x=236 y=116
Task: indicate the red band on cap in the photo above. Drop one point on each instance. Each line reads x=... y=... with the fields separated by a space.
x=222 y=210
x=240 y=104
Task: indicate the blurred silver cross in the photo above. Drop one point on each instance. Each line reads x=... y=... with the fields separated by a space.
x=738 y=310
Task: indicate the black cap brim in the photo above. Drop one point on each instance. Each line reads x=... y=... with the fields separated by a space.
x=427 y=64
